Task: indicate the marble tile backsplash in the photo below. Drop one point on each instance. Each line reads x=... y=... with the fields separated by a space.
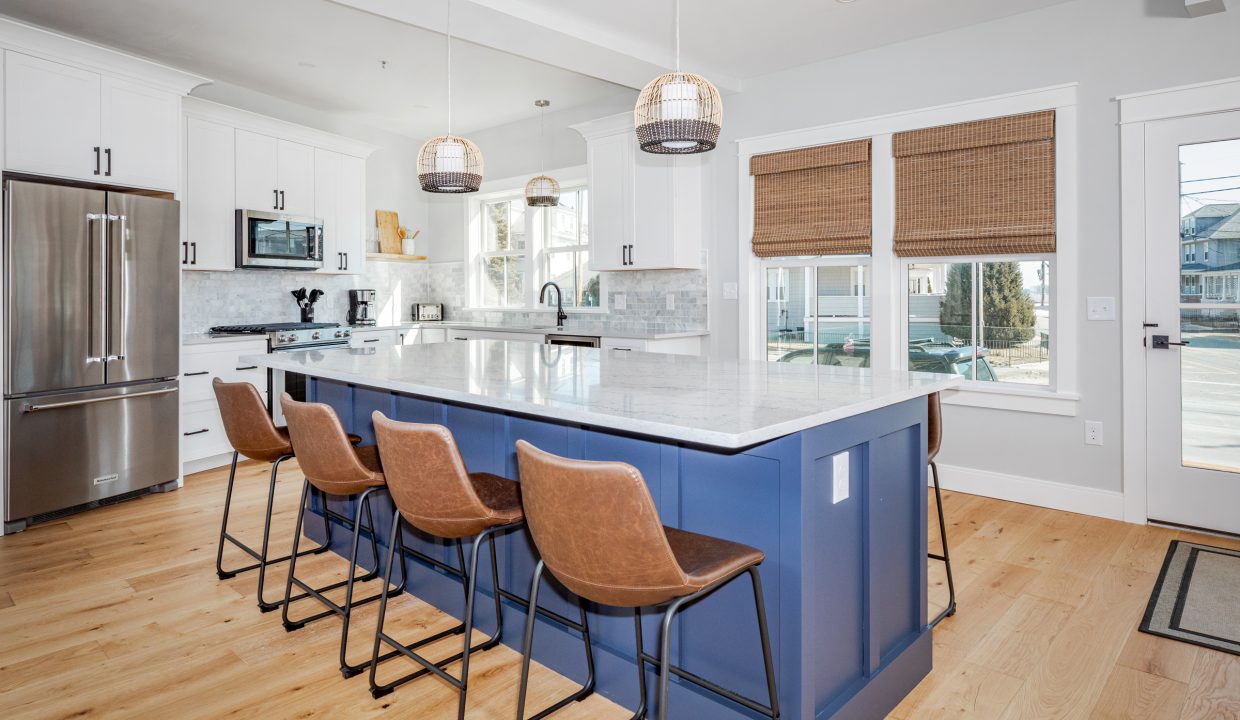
x=254 y=296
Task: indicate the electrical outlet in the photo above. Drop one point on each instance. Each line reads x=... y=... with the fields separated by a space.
x=1100 y=308
x=671 y=301
x=839 y=477
x=1093 y=432
x=731 y=291
x=618 y=302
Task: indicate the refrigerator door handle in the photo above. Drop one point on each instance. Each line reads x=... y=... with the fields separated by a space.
x=31 y=407
x=124 y=291
x=102 y=297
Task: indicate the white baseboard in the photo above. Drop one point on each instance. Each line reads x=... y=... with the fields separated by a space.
x=189 y=467
x=1032 y=491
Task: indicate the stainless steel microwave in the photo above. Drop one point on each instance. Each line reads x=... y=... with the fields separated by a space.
x=280 y=242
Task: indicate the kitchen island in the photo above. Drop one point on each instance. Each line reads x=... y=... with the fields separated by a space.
x=822 y=468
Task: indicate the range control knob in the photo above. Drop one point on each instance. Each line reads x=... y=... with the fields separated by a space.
x=316 y=336
x=347 y=333
x=339 y=334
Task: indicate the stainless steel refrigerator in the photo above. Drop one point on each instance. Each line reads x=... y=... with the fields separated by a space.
x=91 y=346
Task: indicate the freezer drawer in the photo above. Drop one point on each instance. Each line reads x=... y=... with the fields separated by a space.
x=70 y=449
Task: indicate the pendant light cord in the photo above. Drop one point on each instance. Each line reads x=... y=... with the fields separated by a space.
x=677 y=26
x=449 y=34
x=542 y=140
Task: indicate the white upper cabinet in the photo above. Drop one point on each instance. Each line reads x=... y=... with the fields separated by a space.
x=645 y=209
x=339 y=201
x=258 y=184
x=51 y=118
x=274 y=174
x=139 y=134
x=68 y=122
x=210 y=210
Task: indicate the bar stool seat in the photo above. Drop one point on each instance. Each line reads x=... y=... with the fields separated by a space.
x=707 y=560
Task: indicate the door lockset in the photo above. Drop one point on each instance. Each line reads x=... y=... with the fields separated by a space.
x=1163 y=342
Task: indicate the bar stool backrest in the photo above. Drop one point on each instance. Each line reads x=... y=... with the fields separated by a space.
x=597 y=528
x=427 y=478
x=934 y=427
x=323 y=450
x=246 y=422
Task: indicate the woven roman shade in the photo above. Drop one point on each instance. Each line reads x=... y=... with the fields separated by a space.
x=977 y=188
x=812 y=201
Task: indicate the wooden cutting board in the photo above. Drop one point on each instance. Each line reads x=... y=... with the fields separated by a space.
x=388 y=223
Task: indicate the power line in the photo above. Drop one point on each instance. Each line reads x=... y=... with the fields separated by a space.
x=1208 y=192
x=1220 y=177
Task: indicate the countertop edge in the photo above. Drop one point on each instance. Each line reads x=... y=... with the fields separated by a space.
x=729 y=441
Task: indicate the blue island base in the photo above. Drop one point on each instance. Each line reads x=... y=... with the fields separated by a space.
x=845 y=578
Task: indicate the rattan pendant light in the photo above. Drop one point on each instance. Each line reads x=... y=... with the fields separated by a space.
x=678 y=113
x=542 y=190
x=449 y=163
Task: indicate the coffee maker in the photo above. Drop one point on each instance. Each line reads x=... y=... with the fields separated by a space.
x=361 y=307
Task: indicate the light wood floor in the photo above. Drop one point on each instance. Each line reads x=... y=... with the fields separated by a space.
x=118 y=613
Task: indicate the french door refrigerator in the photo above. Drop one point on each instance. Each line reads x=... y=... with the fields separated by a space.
x=91 y=346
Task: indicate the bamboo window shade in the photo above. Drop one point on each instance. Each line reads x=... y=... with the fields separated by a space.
x=813 y=201
x=977 y=188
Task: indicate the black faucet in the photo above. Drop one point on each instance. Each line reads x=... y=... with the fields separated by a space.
x=560 y=315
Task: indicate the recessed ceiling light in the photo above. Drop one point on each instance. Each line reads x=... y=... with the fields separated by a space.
x=845 y=2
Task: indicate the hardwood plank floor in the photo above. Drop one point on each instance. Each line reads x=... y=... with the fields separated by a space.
x=118 y=613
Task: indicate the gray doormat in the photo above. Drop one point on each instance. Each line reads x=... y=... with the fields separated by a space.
x=1197 y=597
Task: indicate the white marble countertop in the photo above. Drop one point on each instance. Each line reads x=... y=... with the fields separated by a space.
x=209 y=339
x=598 y=329
x=699 y=400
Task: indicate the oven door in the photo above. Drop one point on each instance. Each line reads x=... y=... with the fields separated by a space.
x=280 y=381
x=283 y=242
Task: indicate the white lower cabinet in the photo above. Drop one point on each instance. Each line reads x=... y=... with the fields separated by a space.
x=427 y=336
x=670 y=346
x=374 y=338
x=493 y=335
x=203 y=442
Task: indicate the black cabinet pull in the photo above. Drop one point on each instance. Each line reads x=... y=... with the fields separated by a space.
x=248 y=367
x=281 y=199
x=459 y=338
x=340 y=261
x=275 y=199
x=185 y=253
x=346 y=261
x=624 y=349
x=375 y=340
x=96 y=159
x=196 y=432
x=108 y=152
x=195 y=374
x=193 y=247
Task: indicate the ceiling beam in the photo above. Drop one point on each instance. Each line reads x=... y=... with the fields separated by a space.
x=571 y=48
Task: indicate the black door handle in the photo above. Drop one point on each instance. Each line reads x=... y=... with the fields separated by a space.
x=1163 y=342
x=195 y=374
x=194 y=256
x=346 y=261
x=248 y=367
x=185 y=253
x=375 y=340
x=96 y=159
x=281 y=199
x=340 y=261
x=196 y=432
x=275 y=199
x=108 y=152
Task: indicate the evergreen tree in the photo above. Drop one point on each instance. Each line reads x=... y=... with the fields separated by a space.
x=1007 y=311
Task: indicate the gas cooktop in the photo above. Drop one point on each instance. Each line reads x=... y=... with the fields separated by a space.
x=264 y=328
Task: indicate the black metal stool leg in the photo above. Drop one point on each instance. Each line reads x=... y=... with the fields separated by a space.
x=764 y=634
x=219 y=552
x=665 y=655
x=292 y=563
x=363 y=503
x=262 y=563
x=387 y=580
x=641 y=668
x=469 y=625
x=528 y=649
x=946 y=556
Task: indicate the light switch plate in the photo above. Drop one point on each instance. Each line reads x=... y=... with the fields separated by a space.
x=839 y=477
x=618 y=302
x=730 y=291
x=1100 y=308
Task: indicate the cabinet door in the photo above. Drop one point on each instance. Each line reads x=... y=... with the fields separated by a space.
x=374 y=338
x=256 y=179
x=51 y=114
x=351 y=214
x=295 y=163
x=139 y=135
x=327 y=184
x=426 y=336
x=611 y=201
x=210 y=186
x=653 y=240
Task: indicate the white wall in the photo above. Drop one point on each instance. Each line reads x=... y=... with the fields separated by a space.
x=391 y=171
x=1110 y=47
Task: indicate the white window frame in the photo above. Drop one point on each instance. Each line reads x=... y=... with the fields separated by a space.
x=549 y=249
x=818 y=261
x=535 y=252
x=889 y=301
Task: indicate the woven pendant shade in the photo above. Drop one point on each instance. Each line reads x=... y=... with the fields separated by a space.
x=678 y=113
x=542 y=191
x=449 y=164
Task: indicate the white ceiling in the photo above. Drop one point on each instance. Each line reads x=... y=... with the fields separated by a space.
x=325 y=56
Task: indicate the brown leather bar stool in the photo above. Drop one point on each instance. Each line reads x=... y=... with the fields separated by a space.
x=333 y=466
x=433 y=492
x=934 y=440
x=253 y=435
x=616 y=552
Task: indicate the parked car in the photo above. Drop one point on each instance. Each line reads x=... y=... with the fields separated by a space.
x=923 y=356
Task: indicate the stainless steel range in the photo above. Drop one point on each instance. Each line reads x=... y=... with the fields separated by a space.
x=289 y=337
